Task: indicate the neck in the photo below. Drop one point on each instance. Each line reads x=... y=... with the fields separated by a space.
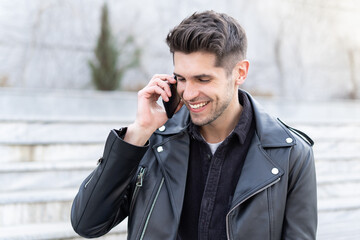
x=221 y=128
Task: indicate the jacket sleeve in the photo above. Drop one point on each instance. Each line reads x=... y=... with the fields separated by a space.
x=104 y=196
x=300 y=220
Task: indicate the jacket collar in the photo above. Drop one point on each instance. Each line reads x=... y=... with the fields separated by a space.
x=178 y=123
x=271 y=132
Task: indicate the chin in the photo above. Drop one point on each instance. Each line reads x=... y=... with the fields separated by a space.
x=196 y=121
x=199 y=122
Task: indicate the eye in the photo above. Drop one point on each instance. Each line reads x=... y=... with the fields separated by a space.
x=180 y=79
x=203 y=80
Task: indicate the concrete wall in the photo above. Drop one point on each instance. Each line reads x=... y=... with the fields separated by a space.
x=298 y=49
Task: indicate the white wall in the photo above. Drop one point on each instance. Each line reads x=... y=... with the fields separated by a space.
x=299 y=49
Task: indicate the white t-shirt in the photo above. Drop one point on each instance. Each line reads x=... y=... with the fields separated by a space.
x=214 y=146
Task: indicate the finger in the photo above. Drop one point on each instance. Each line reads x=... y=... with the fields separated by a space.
x=163 y=77
x=150 y=91
x=162 y=84
x=172 y=80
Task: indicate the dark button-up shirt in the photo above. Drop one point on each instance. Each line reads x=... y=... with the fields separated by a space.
x=211 y=179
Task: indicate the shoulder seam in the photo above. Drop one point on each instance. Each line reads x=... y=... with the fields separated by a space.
x=299 y=133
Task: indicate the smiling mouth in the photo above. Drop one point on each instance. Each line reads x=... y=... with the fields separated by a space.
x=199 y=105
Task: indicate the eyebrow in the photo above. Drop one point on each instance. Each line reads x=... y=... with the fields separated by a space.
x=196 y=76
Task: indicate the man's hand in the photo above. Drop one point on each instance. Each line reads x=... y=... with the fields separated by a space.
x=150 y=115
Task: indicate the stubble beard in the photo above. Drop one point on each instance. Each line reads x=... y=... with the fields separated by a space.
x=216 y=113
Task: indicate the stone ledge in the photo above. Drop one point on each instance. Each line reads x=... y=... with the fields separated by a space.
x=27 y=133
x=44 y=175
x=338 y=204
x=51 y=152
x=52 y=105
x=58 y=195
x=338 y=178
x=38 y=196
x=27 y=167
x=331 y=132
x=35 y=207
x=313 y=112
x=339 y=225
x=36 y=176
x=333 y=190
x=52 y=231
x=75 y=105
x=39 y=181
x=337 y=149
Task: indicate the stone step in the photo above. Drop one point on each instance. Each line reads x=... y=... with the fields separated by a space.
x=84 y=148
x=311 y=112
x=334 y=166
x=337 y=149
x=33 y=207
x=67 y=174
x=66 y=105
x=37 y=104
x=337 y=186
x=339 y=225
x=40 y=133
x=45 y=215
x=55 y=231
x=51 y=152
x=53 y=205
x=37 y=175
x=342 y=203
x=331 y=132
x=88 y=131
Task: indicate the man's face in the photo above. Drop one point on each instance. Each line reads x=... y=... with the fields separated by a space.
x=206 y=90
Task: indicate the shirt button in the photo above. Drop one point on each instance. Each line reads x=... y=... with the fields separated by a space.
x=160 y=149
x=162 y=128
x=289 y=140
x=274 y=171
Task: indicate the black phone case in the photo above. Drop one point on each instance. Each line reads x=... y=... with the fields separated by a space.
x=173 y=102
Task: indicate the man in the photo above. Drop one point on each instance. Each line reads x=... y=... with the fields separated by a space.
x=220 y=168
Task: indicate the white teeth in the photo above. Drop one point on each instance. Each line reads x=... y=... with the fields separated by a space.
x=196 y=106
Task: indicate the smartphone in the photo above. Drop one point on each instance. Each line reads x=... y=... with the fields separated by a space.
x=173 y=102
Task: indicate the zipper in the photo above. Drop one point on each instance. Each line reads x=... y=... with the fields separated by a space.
x=152 y=208
x=93 y=173
x=89 y=180
x=138 y=185
x=260 y=190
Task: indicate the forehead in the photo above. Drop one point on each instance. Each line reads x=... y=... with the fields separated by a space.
x=196 y=63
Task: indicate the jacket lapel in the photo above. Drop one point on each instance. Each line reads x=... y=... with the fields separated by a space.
x=173 y=161
x=258 y=172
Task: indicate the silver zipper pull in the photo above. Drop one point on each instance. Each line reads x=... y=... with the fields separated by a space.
x=140 y=177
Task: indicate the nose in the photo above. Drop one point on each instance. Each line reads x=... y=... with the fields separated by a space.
x=190 y=91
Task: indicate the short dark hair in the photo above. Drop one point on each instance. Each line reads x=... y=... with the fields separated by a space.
x=211 y=32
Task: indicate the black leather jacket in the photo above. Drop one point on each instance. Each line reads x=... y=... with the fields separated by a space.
x=275 y=197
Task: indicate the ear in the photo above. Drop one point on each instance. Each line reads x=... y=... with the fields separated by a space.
x=240 y=71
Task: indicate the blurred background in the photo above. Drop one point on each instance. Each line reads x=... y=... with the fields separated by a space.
x=69 y=72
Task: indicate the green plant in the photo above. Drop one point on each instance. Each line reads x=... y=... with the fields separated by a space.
x=106 y=71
